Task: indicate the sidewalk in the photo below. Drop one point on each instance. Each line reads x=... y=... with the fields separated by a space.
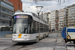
x=2 y=40
x=2 y=48
x=5 y=38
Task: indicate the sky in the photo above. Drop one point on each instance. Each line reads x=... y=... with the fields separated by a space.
x=30 y=6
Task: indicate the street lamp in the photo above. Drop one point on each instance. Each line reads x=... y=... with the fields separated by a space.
x=38 y=15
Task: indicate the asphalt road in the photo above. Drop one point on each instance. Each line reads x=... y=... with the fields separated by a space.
x=54 y=41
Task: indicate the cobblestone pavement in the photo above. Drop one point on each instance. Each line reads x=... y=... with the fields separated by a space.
x=49 y=43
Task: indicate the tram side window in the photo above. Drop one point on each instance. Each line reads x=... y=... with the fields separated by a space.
x=45 y=28
x=37 y=27
x=41 y=27
x=34 y=27
x=32 y=30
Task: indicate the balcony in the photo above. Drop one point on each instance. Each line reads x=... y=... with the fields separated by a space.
x=5 y=18
x=7 y=6
x=3 y=24
x=8 y=2
x=6 y=13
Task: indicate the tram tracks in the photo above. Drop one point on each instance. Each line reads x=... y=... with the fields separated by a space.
x=59 y=43
x=18 y=46
x=14 y=48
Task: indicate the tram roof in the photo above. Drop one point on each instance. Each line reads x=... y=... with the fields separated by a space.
x=34 y=18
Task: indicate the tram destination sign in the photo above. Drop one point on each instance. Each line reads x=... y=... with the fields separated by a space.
x=20 y=16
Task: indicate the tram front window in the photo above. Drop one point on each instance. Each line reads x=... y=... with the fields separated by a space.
x=21 y=25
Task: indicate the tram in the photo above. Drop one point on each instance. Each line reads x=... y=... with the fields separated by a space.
x=27 y=27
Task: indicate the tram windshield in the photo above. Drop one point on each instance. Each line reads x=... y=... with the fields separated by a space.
x=21 y=24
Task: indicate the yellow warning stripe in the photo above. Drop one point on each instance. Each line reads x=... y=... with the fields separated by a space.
x=19 y=36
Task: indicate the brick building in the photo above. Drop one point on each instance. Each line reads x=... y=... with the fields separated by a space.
x=17 y=4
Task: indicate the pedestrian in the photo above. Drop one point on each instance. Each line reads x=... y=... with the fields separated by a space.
x=49 y=30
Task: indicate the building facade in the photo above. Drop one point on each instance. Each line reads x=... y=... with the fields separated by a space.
x=6 y=12
x=53 y=17
x=61 y=18
x=17 y=4
x=46 y=17
x=65 y=18
x=71 y=15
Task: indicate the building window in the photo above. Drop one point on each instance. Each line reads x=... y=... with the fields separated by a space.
x=7 y=11
x=3 y=9
x=2 y=21
x=5 y=22
x=4 y=16
x=3 y=3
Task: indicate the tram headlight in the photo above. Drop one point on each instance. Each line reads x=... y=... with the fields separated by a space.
x=14 y=35
x=26 y=38
x=27 y=35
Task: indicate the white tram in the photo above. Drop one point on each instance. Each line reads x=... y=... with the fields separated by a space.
x=26 y=27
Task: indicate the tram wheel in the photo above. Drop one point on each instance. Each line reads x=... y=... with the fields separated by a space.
x=44 y=36
x=47 y=35
x=37 y=39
